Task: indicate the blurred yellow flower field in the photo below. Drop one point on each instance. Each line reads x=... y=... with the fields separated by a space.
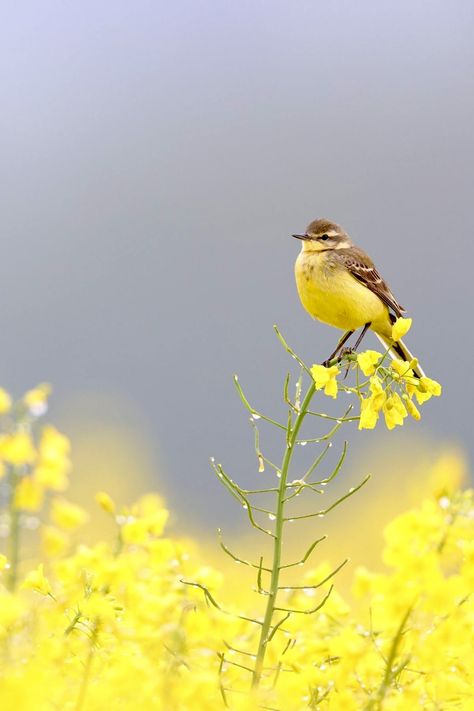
x=134 y=621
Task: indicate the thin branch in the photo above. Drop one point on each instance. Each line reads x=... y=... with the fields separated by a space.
x=317 y=461
x=234 y=557
x=234 y=664
x=318 y=585
x=303 y=560
x=254 y=413
x=259 y=491
x=210 y=599
x=327 y=436
x=307 y=612
x=299 y=488
x=286 y=396
x=239 y=495
x=291 y=352
x=351 y=491
x=238 y=651
x=278 y=625
x=337 y=468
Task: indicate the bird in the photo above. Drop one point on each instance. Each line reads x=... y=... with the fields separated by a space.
x=338 y=284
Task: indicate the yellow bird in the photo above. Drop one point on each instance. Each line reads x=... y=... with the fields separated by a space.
x=338 y=284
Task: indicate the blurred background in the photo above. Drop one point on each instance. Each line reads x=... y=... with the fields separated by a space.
x=156 y=158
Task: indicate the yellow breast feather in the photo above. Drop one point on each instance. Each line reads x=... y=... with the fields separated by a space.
x=331 y=294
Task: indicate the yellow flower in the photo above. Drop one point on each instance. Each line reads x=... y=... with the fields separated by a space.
x=368 y=361
x=53 y=541
x=378 y=395
x=394 y=411
x=402 y=368
x=5 y=402
x=363 y=580
x=138 y=530
x=371 y=406
x=54 y=446
x=326 y=378
x=17 y=448
x=98 y=607
x=66 y=515
x=412 y=408
x=426 y=389
x=37 y=581
x=105 y=502
x=368 y=415
x=53 y=460
x=28 y=494
x=36 y=400
x=401 y=327
x=3 y=562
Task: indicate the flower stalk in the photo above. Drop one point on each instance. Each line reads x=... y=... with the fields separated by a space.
x=292 y=435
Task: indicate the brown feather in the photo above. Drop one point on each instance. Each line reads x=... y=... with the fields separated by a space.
x=363 y=269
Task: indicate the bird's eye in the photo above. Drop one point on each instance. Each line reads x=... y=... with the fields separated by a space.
x=324 y=237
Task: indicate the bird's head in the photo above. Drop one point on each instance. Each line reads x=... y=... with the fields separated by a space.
x=323 y=234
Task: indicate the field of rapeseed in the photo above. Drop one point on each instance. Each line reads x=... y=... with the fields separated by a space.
x=135 y=622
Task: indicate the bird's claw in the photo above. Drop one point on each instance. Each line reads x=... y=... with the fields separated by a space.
x=345 y=352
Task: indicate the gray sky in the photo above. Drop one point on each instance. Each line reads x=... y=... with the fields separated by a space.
x=156 y=156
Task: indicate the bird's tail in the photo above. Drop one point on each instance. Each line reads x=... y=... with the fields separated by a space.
x=397 y=349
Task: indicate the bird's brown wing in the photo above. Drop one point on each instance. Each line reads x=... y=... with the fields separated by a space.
x=363 y=269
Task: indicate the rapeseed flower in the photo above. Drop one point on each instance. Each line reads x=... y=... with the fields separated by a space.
x=401 y=327
x=36 y=580
x=326 y=378
x=17 y=448
x=135 y=621
x=368 y=361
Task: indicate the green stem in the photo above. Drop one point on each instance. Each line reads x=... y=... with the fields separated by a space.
x=14 y=537
x=278 y=540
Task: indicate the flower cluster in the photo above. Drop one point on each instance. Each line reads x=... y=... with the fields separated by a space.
x=390 y=387
x=115 y=624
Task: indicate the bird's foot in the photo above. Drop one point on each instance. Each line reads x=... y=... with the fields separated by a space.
x=333 y=358
x=345 y=352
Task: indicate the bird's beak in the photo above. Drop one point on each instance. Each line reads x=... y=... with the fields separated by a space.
x=304 y=237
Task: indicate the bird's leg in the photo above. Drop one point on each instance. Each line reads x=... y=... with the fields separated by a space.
x=340 y=343
x=361 y=336
x=348 y=351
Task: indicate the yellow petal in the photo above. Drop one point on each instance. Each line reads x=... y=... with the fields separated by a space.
x=53 y=541
x=412 y=408
x=36 y=580
x=17 y=448
x=401 y=327
x=401 y=367
x=66 y=515
x=320 y=375
x=105 y=502
x=378 y=397
x=394 y=411
x=28 y=494
x=331 y=388
x=430 y=386
x=368 y=416
x=368 y=361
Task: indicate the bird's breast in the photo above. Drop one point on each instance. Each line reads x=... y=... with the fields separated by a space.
x=330 y=294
